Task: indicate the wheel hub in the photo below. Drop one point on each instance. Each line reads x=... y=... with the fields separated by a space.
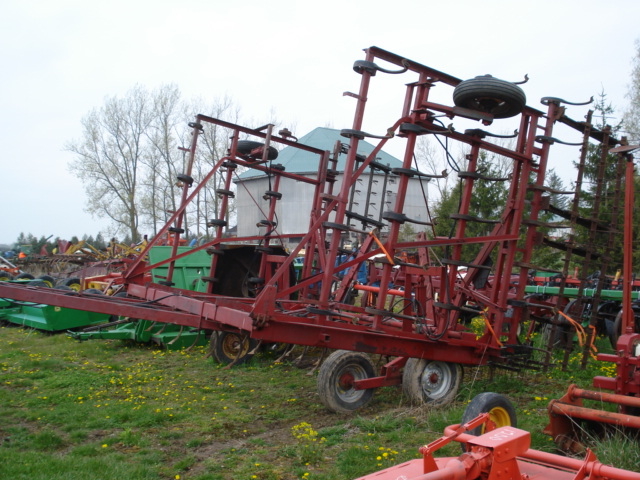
x=346 y=381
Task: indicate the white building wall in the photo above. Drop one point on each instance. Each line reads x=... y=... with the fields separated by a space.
x=294 y=209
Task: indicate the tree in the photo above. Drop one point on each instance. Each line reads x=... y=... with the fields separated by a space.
x=109 y=155
x=164 y=161
x=129 y=160
x=487 y=202
x=427 y=159
x=601 y=196
x=213 y=144
x=631 y=115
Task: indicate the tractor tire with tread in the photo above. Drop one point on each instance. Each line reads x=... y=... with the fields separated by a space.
x=24 y=276
x=431 y=382
x=335 y=379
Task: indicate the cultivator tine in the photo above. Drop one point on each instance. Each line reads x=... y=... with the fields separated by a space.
x=285 y=354
x=256 y=349
x=317 y=362
x=177 y=336
x=152 y=326
x=195 y=342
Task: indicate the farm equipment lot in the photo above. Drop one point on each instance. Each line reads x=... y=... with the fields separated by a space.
x=363 y=306
x=112 y=410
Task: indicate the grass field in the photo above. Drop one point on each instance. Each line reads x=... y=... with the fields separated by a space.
x=114 y=410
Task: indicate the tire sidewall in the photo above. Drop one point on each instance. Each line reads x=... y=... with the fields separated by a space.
x=336 y=364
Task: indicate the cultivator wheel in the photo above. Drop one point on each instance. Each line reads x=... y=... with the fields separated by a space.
x=431 y=382
x=232 y=347
x=336 y=381
x=616 y=327
x=607 y=314
x=561 y=335
x=254 y=150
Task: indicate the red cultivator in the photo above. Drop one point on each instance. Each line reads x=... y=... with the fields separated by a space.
x=419 y=310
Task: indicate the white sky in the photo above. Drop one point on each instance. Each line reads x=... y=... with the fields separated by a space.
x=61 y=58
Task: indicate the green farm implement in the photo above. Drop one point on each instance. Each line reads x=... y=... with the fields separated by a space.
x=47 y=317
x=187 y=275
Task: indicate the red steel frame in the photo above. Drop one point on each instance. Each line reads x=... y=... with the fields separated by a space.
x=313 y=313
x=567 y=413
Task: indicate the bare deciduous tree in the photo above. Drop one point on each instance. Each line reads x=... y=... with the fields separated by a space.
x=631 y=116
x=164 y=161
x=129 y=160
x=108 y=158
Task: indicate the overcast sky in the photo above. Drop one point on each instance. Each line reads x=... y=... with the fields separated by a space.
x=60 y=59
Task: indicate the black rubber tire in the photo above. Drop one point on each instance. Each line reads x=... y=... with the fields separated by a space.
x=48 y=279
x=335 y=375
x=616 y=329
x=184 y=178
x=93 y=291
x=431 y=382
x=24 y=276
x=607 y=313
x=490 y=95
x=5 y=276
x=64 y=287
x=564 y=331
x=38 y=283
x=500 y=409
x=245 y=147
x=232 y=347
x=73 y=283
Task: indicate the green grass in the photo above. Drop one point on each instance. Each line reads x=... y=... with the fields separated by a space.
x=113 y=410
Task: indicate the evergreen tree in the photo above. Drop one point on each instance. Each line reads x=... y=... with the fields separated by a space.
x=487 y=203
x=602 y=194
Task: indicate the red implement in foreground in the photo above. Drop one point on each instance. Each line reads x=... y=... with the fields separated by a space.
x=500 y=454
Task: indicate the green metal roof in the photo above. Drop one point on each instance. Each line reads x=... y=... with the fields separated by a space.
x=300 y=161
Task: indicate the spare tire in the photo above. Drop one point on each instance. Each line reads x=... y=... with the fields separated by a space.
x=490 y=95
x=245 y=147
